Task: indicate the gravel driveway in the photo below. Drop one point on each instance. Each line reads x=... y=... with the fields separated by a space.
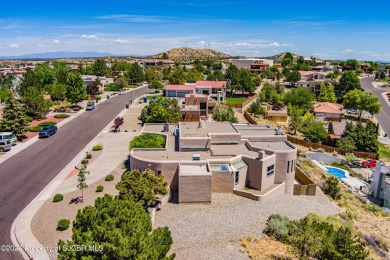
x=214 y=231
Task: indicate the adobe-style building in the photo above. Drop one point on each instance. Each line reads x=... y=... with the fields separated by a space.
x=199 y=158
x=196 y=106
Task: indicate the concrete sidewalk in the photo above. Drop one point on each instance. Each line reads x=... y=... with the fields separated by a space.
x=115 y=151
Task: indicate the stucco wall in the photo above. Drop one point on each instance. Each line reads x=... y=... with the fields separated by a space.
x=225 y=138
x=257 y=172
x=187 y=143
x=222 y=181
x=194 y=188
x=281 y=174
x=168 y=169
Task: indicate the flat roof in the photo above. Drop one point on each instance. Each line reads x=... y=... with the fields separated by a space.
x=192 y=129
x=198 y=169
x=274 y=146
x=158 y=128
x=254 y=130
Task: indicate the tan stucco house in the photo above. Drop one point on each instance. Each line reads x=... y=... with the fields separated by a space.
x=204 y=157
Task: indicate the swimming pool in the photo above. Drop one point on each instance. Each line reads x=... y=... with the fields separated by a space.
x=339 y=173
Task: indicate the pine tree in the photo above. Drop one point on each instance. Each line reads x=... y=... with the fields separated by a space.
x=13 y=118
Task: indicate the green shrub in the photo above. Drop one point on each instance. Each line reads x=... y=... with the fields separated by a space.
x=58 y=197
x=99 y=188
x=148 y=140
x=112 y=88
x=332 y=188
x=47 y=123
x=61 y=116
x=279 y=227
x=97 y=148
x=335 y=154
x=88 y=156
x=109 y=177
x=376 y=209
x=321 y=150
x=34 y=128
x=84 y=161
x=29 y=118
x=98 y=97
x=63 y=224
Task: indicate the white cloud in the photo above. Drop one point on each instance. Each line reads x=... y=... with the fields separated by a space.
x=56 y=41
x=13 y=45
x=121 y=41
x=347 y=51
x=43 y=45
x=92 y=37
x=201 y=43
x=260 y=45
x=133 y=18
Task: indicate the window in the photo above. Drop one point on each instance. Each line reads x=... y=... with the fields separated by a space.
x=292 y=165
x=288 y=166
x=158 y=172
x=236 y=177
x=270 y=170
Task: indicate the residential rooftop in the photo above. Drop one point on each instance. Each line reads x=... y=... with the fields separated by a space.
x=192 y=129
x=274 y=146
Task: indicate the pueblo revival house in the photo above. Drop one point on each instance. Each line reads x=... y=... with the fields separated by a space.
x=199 y=158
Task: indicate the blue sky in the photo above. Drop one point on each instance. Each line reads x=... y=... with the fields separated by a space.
x=326 y=29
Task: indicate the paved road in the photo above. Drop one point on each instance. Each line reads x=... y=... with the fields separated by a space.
x=25 y=174
x=384 y=116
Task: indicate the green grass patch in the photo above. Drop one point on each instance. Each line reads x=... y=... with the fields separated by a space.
x=148 y=141
x=153 y=97
x=34 y=128
x=47 y=123
x=61 y=116
x=132 y=86
x=384 y=152
x=235 y=100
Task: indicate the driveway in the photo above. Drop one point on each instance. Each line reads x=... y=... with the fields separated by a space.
x=321 y=157
x=25 y=174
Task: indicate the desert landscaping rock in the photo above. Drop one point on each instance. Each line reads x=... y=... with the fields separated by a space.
x=214 y=231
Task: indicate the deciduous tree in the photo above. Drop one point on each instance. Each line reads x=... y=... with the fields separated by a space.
x=363 y=101
x=349 y=81
x=76 y=91
x=327 y=93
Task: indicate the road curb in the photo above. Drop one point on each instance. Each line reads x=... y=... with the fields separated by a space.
x=21 y=233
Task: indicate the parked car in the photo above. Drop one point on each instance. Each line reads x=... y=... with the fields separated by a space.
x=121 y=93
x=90 y=106
x=48 y=131
x=369 y=163
x=354 y=164
x=5 y=145
x=8 y=136
x=352 y=111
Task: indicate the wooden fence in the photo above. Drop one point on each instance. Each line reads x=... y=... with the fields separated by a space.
x=329 y=149
x=249 y=118
x=306 y=186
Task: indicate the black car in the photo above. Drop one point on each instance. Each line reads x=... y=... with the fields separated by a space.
x=48 y=131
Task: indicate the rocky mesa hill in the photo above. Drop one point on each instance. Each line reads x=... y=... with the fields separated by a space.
x=189 y=54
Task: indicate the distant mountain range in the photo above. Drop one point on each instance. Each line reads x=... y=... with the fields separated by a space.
x=64 y=54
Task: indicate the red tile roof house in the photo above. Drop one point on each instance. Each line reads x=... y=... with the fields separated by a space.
x=328 y=111
x=214 y=89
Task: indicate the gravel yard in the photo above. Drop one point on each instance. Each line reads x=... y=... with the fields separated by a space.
x=214 y=231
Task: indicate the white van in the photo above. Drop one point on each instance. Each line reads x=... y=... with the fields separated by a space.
x=8 y=136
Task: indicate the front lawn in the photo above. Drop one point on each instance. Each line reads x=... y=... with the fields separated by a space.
x=235 y=100
x=148 y=141
x=384 y=152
